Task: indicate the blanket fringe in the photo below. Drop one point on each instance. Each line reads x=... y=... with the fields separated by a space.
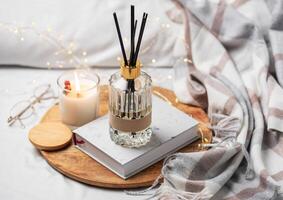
x=225 y=129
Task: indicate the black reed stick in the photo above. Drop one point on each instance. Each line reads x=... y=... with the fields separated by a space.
x=132 y=35
x=135 y=28
x=120 y=39
x=131 y=86
x=144 y=18
x=131 y=83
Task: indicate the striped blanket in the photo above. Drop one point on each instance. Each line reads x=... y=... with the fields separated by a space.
x=234 y=70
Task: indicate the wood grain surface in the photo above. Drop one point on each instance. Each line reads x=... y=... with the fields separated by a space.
x=50 y=136
x=75 y=164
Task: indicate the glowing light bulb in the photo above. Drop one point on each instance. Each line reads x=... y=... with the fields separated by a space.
x=49 y=29
x=71 y=44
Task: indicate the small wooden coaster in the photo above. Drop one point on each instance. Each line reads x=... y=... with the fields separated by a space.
x=50 y=136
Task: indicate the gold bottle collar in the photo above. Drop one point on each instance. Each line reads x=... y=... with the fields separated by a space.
x=130 y=72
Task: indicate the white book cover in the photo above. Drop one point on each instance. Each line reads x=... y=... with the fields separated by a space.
x=172 y=130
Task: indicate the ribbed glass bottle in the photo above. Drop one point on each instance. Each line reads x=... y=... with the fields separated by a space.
x=130 y=104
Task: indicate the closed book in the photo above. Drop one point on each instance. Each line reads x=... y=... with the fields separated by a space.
x=172 y=130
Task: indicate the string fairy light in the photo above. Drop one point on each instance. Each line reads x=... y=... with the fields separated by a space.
x=67 y=53
x=64 y=49
x=68 y=50
x=164 y=29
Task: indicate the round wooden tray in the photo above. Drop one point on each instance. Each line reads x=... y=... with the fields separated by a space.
x=79 y=166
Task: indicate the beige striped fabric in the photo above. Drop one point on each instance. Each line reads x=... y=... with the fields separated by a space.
x=234 y=70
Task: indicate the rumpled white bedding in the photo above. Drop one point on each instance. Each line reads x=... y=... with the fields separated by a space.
x=24 y=174
x=87 y=26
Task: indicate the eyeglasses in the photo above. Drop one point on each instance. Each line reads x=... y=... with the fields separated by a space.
x=25 y=109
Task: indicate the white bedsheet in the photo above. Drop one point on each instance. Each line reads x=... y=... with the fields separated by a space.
x=24 y=174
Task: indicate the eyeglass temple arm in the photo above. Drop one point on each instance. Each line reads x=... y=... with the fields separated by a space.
x=12 y=119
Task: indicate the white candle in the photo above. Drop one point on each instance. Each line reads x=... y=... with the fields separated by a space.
x=80 y=100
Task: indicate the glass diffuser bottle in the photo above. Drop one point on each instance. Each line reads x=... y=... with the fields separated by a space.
x=130 y=94
x=130 y=106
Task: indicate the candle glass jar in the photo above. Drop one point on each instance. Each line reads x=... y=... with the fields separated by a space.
x=78 y=97
x=130 y=105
